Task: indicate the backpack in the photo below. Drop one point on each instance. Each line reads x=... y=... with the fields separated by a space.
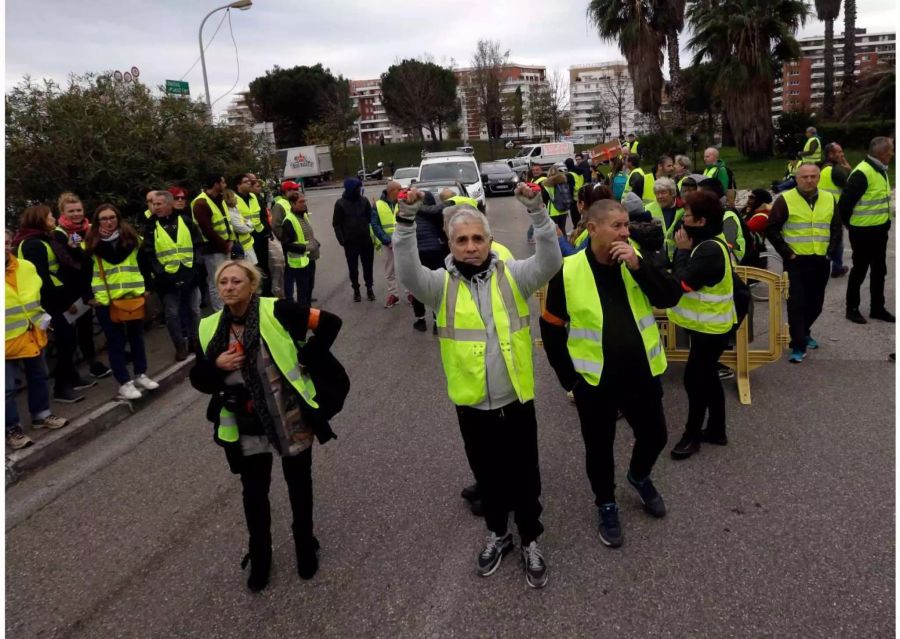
x=562 y=197
x=732 y=182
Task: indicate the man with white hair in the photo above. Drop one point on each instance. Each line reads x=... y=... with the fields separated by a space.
x=484 y=329
x=812 y=150
x=664 y=209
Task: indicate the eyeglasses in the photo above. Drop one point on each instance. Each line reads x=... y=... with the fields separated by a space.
x=107 y=219
x=179 y=197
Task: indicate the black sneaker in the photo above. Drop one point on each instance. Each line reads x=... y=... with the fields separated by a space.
x=855 y=316
x=490 y=557
x=356 y=296
x=434 y=329
x=725 y=372
x=713 y=437
x=884 y=315
x=80 y=383
x=685 y=447
x=610 y=530
x=535 y=566
x=99 y=370
x=370 y=295
x=650 y=497
x=66 y=395
x=420 y=325
x=307 y=558
x=471 y=493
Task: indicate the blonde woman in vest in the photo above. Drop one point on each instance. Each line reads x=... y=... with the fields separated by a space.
x=26 y=338
x=241 y=226
x=262 y=408
x=114 y=244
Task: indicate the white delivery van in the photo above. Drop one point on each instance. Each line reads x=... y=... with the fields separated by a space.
x=546 y=154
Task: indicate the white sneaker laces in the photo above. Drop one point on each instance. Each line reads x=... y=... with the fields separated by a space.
x=534 y=557
x=493 y=543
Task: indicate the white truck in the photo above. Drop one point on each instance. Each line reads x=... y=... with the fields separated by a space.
x=312 y=163
x=546 y=154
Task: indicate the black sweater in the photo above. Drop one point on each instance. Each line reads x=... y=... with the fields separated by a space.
x=351 y=220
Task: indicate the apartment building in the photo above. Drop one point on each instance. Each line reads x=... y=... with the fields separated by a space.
x=802 y=85
x=602 y=86
x=374 y=122
x=238 y=114
x=513 y=76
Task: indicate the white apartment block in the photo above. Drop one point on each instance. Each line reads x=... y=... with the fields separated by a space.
x=374 y=122
x=514 y=76
x=606 y=83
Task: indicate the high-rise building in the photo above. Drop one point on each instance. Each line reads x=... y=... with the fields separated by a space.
x=529 y=79
x=374 y=122
x=602 y=93
x=238 y=114
x=802 y=85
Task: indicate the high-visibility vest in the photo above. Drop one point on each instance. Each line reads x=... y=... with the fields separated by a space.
x=656 y=212
x=502 y=252
x=585 y=339
x=679 y=182
x=647 y=195
x=246 y=239
x=23 y=302
x=874 y=207
x=633 y=147
x=581 y=238
x=148 y=214
x=816 y=155
x=387 y=216
x=123 y=280
x=284 y=353
x=826 y=183
x=463 y=338
x=741 y=243
x=791 y=169
x=464 y=199
x=219 y=217
x=713 y=172
x=250 y=213
x=551 y=209
x=173 y=254
x=52 y=262
x=711 y=309
x=808 y=230
x=296 y=260
x=579 y=182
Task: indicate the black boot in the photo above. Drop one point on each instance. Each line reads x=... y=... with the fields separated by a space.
x=307 y=556
x=260 y=558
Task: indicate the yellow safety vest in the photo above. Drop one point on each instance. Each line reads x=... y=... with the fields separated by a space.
x=296 y=260
x=655 y=211
x=387 y=215
x=579 y=182
x=464 y=199
x=581 y=237
x=874 y=207
x=633 y=147
x=23 y=303
x=123 y=280
x=52 y=262
x=741 y=242
x=826 y=183
x=647 y=195
x=283 y=351
x=711 y=309
x=554 y=212
x=808 y=230
x=502 y=252
x=172 y=254
x=250 y=213
x=246 y=239
x=585 y=339
x=463 y=338
x=219 y=217
x=817 y=154
x=148 y=214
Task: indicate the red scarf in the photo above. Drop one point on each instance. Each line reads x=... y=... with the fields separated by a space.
x=70 y=227
x=24 y=234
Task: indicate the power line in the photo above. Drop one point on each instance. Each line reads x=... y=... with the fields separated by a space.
x=236 y=59
x=213 y=37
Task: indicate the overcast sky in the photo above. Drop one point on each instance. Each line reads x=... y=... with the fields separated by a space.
x=359 y=39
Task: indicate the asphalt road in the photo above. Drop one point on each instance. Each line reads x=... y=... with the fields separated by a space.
x=787 y=531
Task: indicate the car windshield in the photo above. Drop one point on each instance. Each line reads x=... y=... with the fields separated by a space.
x=495 y=169
x=406 y=173
x=463 y=171
x=525 y=152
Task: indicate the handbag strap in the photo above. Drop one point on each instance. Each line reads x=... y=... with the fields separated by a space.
x=103 y=277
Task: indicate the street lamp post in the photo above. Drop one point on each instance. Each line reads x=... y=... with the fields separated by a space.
x=243 y=5
x=362 y=157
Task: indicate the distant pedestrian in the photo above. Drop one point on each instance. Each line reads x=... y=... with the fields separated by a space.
x=300 y=251
x=665 y=167
x=812 y=149
x=383 y=222
x=212 y=217
x=714 y=167
x=351 y=222
x=833 y=179
x=683 y=168
x=119 y=274
x=632 y=145
x=559 y=196
x=639 y=181
x=242 y=228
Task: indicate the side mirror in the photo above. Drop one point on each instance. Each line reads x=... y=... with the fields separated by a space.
x=484 y=177
x=413 y=181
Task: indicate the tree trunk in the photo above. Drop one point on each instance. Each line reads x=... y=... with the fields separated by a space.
x=849 y=48
x=749 y=115
x=828 y=100
x=676 y=92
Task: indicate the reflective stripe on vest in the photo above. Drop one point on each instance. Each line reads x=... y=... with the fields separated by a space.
x=463 y=338
x=386 y=216
x=172 y=254
x=250 y=213
x=52 y=262
x=283 y=351
x=741 y=246
x=874 y=207
x=826 y=183
x=122 y=280
x=296 y=260
x=464 y=199
x=711 y=309
x=246 y=239
x=816 y=155
x=808 y=230
x=23 y=303
x=585 y=339
x=219 y=217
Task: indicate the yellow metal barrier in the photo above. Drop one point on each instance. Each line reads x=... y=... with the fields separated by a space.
x=741 y=358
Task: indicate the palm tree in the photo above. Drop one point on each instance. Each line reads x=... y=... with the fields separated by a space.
x=827 y=11
x=630 y=23
x=849 y=48
x=669 y=18
x=747 y=41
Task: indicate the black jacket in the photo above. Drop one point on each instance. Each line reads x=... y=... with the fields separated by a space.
x=351 y=220
x=857 y=184
x=162 y=281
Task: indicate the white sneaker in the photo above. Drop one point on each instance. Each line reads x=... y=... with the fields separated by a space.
x=145 y=382
x=128 y=391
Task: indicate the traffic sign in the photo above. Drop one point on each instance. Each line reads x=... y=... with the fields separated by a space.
x=135 y=72
x=177 y=87
x=127 y=76
x=118 y=76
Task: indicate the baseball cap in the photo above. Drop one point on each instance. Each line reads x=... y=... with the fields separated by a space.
x=289 y=185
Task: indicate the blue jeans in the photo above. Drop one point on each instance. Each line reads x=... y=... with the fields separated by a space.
x=787 y=185
x=38 y=380
x=182 y=311
x=837 y=260
x=116 y=335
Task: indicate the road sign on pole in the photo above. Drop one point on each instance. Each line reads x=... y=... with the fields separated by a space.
x=177 y=87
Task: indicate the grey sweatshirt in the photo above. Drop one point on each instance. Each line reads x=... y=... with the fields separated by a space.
x=529 y=274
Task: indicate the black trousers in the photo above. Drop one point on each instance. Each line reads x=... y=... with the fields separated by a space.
x=643 y=410
x=261 y=248
x=359 y=252
x=808 y=276
x=256 y=475
x=702 y=383
x=869 y=246
x=433 y=260
x=560 y=221
x=66 y=340
x=576 y=216
x=501 y=446
x=84 y=327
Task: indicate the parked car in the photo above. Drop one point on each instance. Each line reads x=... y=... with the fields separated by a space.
x=434 y=187
x=453 y=166
x=406 y=175
x=497 y=177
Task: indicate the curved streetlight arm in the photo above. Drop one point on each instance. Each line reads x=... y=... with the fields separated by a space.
x=243 y=5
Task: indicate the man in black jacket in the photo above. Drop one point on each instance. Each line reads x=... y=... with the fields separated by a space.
x=352 y=215
x=629 y=366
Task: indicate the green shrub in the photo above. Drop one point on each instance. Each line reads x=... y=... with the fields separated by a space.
x=857 y=134
x=656 y=144
x=790 y=131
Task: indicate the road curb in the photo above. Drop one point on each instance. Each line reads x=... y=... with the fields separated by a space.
x=83 y=429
